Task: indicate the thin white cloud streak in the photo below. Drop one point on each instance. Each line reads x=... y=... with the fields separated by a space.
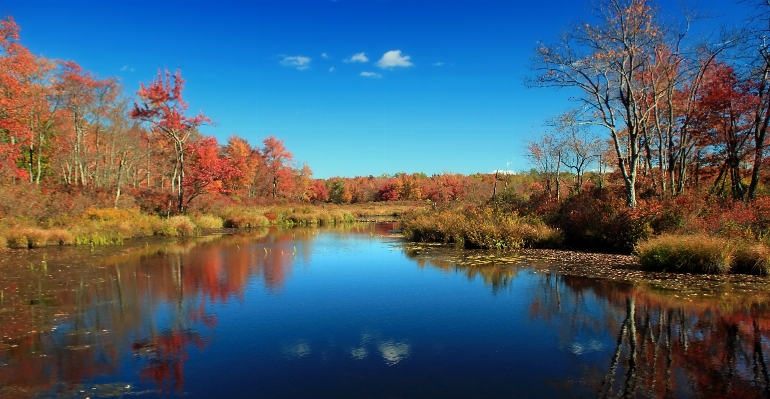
x=297 y=61
x=371 y=75
x=360 y=57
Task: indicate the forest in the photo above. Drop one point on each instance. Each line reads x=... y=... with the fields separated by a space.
x=663 y=155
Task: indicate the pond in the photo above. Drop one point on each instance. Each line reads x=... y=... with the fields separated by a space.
x=352 y=312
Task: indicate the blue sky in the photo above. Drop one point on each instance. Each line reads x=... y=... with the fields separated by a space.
x=447 y=97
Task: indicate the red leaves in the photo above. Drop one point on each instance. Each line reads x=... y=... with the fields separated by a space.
x=8 y=30
x=208 y=170
x=318 y=191
x=162 y=105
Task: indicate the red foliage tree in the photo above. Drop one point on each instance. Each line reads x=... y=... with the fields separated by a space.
x=163 y=107
x=209 y=171
x=17 y=67
x=724 y=122
x=318 y=191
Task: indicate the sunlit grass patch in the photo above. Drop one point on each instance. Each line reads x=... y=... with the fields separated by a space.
x=478 y=227
x=685 y=253
x=207 y=221
x=752 y=259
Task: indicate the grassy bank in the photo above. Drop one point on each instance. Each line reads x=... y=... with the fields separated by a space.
x=491 y=227
x=704 y=254
x=112 y=226
x=478 y=227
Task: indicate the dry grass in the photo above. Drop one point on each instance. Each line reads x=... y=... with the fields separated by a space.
x=376 y=208
x=478 y=227
x=245 y=221
x=32 y=237
x=207 y=221
x=685 y=253
x=752 y=259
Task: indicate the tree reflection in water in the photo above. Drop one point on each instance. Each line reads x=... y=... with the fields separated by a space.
x=67 y=316
x=65 y=321
x=664 y=344
x=667 y=346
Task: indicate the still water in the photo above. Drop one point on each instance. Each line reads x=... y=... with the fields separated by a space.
x=353 y=313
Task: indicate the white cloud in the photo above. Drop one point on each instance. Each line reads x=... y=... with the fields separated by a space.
x=127 y=68
x=298 y=62
x=324 y=55
x=438 y=64
x=360 y=57
x=331 y=69
x=371 y=75
x=393 y=58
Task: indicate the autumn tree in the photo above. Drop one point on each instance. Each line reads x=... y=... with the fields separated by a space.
x=248 y=160
x=277 y=164
x=758 y=47
x=546 y=153
x=604 y=62
x=318 y=191
x=85 y=99
x=162 y=106
x=579 y=147
x=17 y=69
x=724 y=120
x=209 y=170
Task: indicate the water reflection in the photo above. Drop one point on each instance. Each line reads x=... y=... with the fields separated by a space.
x=393 y=352
x=666 y=347
x=133 y=319
x=297 y=350
x=68 y=315
x=665 y=344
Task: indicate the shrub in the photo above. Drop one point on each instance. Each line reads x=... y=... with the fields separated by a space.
x=752 y=259
x=596 y=219
x=163 y=227
x=271 y=216
x=107 y=214
x=693 y=254
x=242 y=221
x=303 y=219
x=182 y=224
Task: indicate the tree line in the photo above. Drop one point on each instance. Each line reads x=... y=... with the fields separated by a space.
x=61 y=125
x=677 y=112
